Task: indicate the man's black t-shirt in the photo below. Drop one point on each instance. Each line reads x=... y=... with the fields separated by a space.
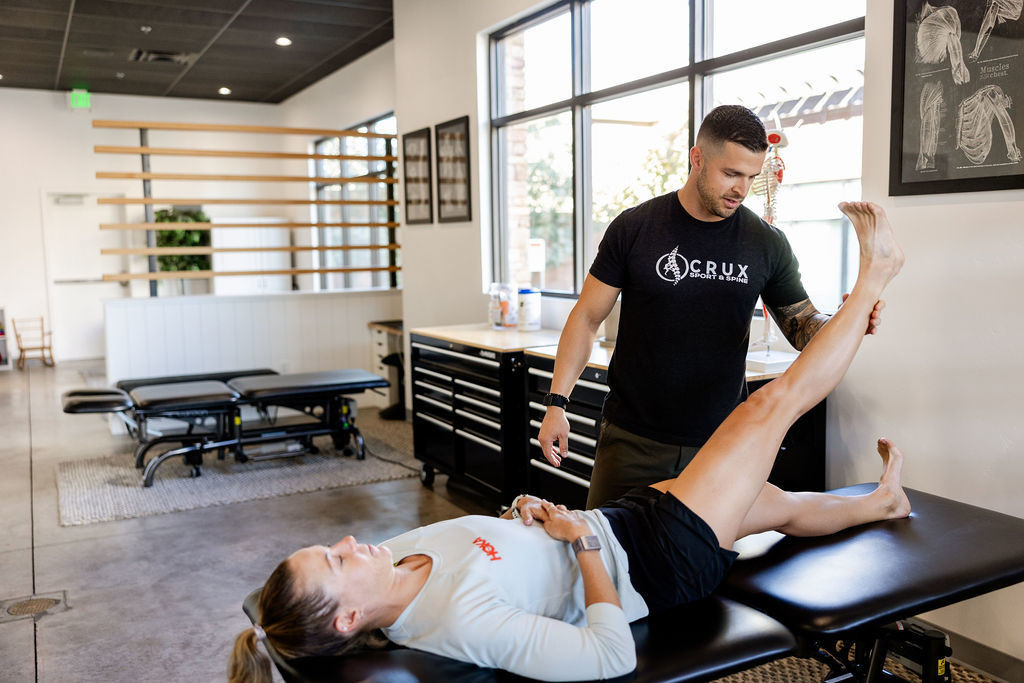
x=688 y=291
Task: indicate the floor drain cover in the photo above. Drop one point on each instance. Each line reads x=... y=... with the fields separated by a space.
x=32 y=606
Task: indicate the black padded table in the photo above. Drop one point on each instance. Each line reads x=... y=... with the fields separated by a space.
x=815 y=597
x=223 y=376
x=943 y=553
x=697 y=642
x=266 y=388
x=204 y=395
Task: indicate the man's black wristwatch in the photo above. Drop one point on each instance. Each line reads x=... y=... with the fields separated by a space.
x=556 y=400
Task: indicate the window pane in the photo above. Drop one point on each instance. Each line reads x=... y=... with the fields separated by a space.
x=816 y=98
x=638 y=38
x=639 y=152
x=735 y=25
x=536 y=65
x=537 y=157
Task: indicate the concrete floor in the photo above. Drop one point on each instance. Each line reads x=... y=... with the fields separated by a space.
x=157 y=598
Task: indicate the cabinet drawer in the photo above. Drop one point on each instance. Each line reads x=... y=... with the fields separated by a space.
x=557 y=486
x=482 y=459
x=580 y=424
x=431 y=406
x=585 y=392
x=576 y=464
x=434 y=441
x=439 y=355
x=481 y=425
x=578 y=443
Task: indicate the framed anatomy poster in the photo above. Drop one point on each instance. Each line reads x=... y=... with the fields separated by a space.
x=452 y=142
x=416 y=167
x=958 y=96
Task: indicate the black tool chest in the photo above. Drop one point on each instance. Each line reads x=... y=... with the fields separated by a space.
x=800 y=465
x=477 y=413
x=468 y=415
x=568 y=483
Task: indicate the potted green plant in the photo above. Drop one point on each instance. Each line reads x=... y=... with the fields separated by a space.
x=183 y=237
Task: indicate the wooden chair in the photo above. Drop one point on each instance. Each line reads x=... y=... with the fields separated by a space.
x=33 y=338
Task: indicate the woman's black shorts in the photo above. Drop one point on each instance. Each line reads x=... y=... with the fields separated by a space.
x=674 y=556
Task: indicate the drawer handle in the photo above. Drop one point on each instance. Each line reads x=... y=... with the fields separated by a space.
x=482 y=442
x=477 y=418
x=569 y=415
x=559 y=473
x=571 y=456
x=456 y=354
x=432 y=373
x=580 y=382
x=439 y=423
x=574 y=437
x=486 y=390
x=437 y=403
x=431 y=387
x=478 y=404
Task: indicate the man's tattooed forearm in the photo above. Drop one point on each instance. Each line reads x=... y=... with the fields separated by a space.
x=799 y=322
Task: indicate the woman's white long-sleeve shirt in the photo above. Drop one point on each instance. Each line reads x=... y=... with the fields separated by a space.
x=504 y=595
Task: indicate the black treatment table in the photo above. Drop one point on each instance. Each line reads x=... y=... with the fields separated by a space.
x=801 y=597
x=212 y=409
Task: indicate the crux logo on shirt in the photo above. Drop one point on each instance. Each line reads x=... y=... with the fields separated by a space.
x=673 y=267
x=487 y=548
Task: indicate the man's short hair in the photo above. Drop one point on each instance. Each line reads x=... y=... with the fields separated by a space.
x=733 y=123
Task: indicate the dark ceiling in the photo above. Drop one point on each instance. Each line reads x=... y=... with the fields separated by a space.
x=191 y=47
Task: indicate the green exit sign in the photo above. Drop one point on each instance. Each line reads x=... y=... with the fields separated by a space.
x=81 y=99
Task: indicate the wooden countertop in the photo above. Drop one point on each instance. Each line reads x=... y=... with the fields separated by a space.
x=601 y=355
x=390 y=326
x=481 y=335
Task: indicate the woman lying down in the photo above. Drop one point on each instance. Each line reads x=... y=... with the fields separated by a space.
x=549 y=593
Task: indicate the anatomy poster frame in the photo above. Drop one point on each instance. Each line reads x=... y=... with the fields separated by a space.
x=416 y=165
x=451 y=142
x=930 y=158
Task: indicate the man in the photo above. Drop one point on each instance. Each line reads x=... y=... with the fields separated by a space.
x=690 y=266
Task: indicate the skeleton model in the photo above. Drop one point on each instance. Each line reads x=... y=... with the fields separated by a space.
x=768 y=180
x=974 y=124
x=938 y=33
x=932 y=105
x=996 y=12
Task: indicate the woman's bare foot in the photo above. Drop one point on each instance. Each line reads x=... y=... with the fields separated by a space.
x=879 y=252
x=890 y=487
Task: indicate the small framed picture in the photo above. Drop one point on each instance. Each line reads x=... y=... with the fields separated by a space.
x=452 y=142
x=416 y=171
x=957 y=97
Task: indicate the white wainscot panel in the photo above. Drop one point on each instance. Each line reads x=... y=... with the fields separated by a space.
x=289 y=332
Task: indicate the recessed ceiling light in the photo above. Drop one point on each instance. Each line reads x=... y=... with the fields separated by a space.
x=119 y=75
x=145 y=29
x=283 y=41
x=225 y=91
x=1 y=77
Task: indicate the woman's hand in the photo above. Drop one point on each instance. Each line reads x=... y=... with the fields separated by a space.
x=560 y=522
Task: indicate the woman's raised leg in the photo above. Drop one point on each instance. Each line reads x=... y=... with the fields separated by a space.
x=730 y=471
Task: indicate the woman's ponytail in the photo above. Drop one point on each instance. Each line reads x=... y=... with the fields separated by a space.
x=249 y=663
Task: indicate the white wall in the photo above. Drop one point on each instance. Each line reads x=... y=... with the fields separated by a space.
x=940 y=378
x=360 y=91
x=49 y=148
x=441 y=74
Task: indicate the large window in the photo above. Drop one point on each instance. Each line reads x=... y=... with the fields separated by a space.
x=357 y=236
x=591 y=107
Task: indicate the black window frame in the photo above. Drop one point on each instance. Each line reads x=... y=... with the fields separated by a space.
x=387 y=191
x=701 y=65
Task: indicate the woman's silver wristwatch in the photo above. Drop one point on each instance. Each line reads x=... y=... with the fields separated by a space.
x=584 y=543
